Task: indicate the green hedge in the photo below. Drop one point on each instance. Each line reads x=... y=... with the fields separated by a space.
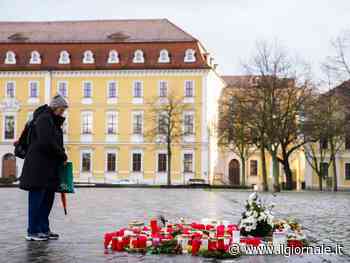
x=8 y=180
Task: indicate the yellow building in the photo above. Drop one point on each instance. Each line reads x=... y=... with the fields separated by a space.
x=109 y=71
x=229 y=167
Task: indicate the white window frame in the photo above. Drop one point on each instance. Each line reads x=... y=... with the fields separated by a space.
x=131 y=161
x=160 y=86
x=188 y=99
x=112 y=137
x=138 y=56
x=186 y=113
x=35 y=57
x=9 y=114
x=86 y=137
x=183 y=162
x=88 y=57
x=164 y=56
x=110 y=57
x=87 y=100
x=64 y=57
x=134 y=113
x=110 y=151
x=190 y=55
x=111 y=100
x=10 y=58
x=137 y=100
x=14 y=89
x=33 y=100
x=58 y=87
x=89 y=173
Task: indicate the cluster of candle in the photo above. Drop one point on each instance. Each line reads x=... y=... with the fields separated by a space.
x=191 y=238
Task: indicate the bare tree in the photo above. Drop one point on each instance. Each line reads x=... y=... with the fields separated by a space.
x=166 y=117
x=276 y=100
x=233 y=131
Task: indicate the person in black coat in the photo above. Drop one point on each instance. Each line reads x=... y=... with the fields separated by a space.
x=40 y=175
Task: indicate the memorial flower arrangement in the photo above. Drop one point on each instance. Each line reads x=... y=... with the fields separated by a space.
x=209 y=237
x=257 y=220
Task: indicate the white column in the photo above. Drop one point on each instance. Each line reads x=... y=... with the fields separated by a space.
x=205 y=160
x=47 y=87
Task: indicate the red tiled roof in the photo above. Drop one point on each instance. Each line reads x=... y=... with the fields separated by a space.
x=96 y=31
x=124 y=36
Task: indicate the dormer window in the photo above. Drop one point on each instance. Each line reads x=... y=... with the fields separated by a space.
x=35 y=57
x=10 y=57
x=113 y=57
x=64 y=57
x=138 y=57
x=88 y=57
x=190 y=55
x=164 y=56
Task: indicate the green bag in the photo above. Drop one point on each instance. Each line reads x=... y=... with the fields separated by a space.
x=66 y=178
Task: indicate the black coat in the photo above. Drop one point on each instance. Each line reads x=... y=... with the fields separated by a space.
x=46 y=152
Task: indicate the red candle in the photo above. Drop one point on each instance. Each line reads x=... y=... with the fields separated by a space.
x=142 y=241
x=196 y=243
x=114 y=243
x=126 y=241
x=154 y=225
x=212 y=245
x=220 y=230
x=221 y=244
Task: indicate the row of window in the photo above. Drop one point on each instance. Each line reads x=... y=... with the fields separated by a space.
x=324 y=143
x=136 y=162
x=111 y=123
x=324 y=167
x=112 y=89
x=89 y=58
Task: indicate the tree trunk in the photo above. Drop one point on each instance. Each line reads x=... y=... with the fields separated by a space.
x=289 y=174
x=263 y=166
x=334 y=165
x=320 y=182
x=169 y=164
x=243 y=171
x=275 y=173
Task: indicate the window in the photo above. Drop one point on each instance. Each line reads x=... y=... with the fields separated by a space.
x=87 y=89
x=324 y=144
x=112 y=89
x=35 y=57
x=33 y=89
x=9 y=127
x=112 y=123
x=162 y=162
x=324 y=169
x=10 y=57
x=10 y=89
x=188 y=123
x=190 y=55
x=189 y=88
x=347 y=143
x=138 y=57
x=86 y=162
x=137 y=90
x=62 y=88
x=163 y=88
x=111 y=162
x=136 y=162
x=86 y=123
x=164 y=56
x=188 y=162
x=88 y=57
x=113 y=57
x=137 y=123
x=253 y=167
x=64 y=57
x=162 y=123
x=347 y=171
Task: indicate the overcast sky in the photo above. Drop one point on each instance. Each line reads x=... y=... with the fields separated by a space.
x=229 y=29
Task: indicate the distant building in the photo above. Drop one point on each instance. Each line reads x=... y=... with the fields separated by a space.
x=108 y=71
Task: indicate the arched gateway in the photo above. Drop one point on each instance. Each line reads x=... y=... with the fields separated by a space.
x=234 y=172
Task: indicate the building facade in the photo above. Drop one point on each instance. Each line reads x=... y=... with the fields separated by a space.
x=109 y=72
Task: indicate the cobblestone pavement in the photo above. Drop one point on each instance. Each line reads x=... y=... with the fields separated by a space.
x=92 y=212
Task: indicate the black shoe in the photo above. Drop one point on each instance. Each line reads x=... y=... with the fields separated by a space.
x=52 y=236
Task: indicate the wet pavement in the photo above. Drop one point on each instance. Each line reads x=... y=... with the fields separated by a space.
x=94 y=211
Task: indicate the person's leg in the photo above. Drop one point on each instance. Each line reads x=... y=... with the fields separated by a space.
x=45 y=210
x=34 y=204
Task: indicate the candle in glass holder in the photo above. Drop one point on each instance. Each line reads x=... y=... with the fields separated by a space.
x=212 y=244
x=142 y=241
x=114 y=243
x=154 y=225
x=134 y=241
x=196 y=243
x=220 y=230
x=221 y=244
x=126 y=241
